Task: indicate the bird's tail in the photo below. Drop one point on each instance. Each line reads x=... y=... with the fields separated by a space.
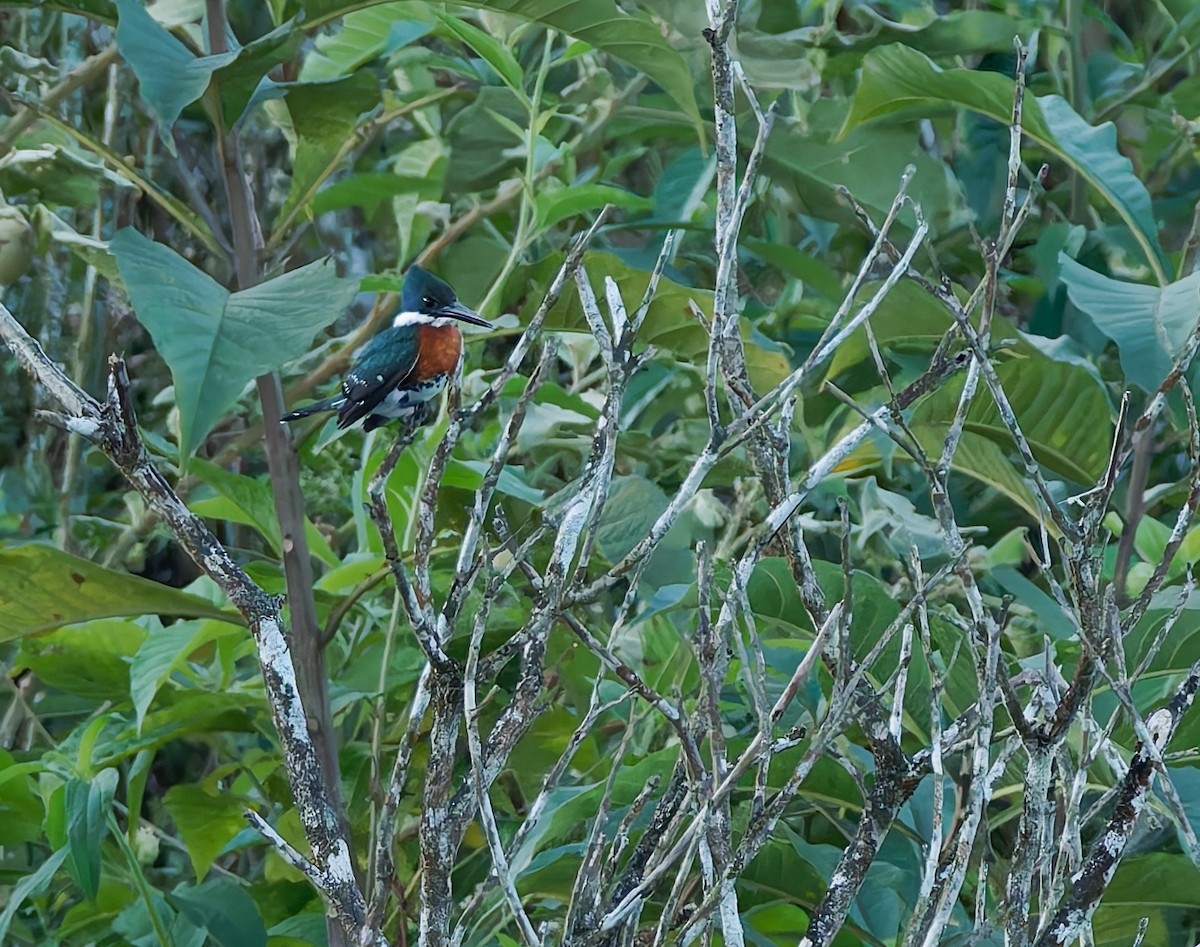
x=329 y=404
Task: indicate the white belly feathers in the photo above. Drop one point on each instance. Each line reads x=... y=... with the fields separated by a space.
x=400 y=403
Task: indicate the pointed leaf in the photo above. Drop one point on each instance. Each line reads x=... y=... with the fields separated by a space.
x=325 y=116
x=363 y=35
x=206 y=822
x=214 y=342
x=238 y=80
x=494 y=52
x=170 y=76
x=87 y=806
x=45 y=588
x=1150 y=325
x=162 y=652
x=225 y=910
x=33 y=883
x=627 y=35
x=254 y=500
x=896 y=77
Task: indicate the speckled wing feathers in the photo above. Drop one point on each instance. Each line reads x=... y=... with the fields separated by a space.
x=383 y=364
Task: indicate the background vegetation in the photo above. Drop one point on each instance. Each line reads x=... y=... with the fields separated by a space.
x=227 y=195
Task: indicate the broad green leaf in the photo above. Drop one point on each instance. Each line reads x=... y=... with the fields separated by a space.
x=908 y=320
x=1050 y=390
x=45 y=588
x=206 y=822
x=223 y=908
x=896 y=77
x=468 y=475
x=92 y=251
x=367 y=190
x=137 y=928
x=254 y=504
x=1052 y=620
x=56 y=175
x=237 y=80
x=1063 y=412
x=624 y=34
x=554 y=206
x=1150 y=325
x=191 y=221
x=192 y=712
x=634 y=503
x=215 y=342
x=90 y=660
x=170 y=76
x=869 y=161
x=770 y=59
x=22 y=810
x=301 y=929
x=806 y=267
x=1145 y=885
x=361 y=36
x=164 y=650
x=325 y=117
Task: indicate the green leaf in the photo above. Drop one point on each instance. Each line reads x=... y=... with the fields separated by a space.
x=983 y=460
x=237 y=81
x=225 y=909
x=33 y=883
x=554 y=206
x=192 y=712
x=1061 y=405
x=206 y=822
x=162 y=652
x=102 y=10
x=87 y=805
x=1063 y=411
x=170 y=76
x=1150 y=325
x=468 y=475
x=254 y=504
x=45 y=588
x=895 y=77
x=191 y=221
x=325 y=116
x=1144 y=885
x=361 y=37
x=634 y=503
x=495 y=53
x=215 y=342
x=367 y=190
x=90 y=659
x=623 y=33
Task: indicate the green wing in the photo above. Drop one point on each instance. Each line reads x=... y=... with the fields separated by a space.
x=384 y=362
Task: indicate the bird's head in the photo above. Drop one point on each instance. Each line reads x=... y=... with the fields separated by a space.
x=427 y=300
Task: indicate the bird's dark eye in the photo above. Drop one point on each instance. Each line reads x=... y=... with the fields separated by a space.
x=429 y=302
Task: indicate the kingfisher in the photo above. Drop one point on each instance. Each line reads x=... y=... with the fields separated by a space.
x=402 y=369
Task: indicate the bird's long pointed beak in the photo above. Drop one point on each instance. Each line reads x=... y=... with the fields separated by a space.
x=459 y=311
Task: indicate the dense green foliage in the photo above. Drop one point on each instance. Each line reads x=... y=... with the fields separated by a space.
x=135 y=730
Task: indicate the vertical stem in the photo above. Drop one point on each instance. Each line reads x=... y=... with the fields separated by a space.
x=1029 y=847
x=437 y=841
x=308 y=655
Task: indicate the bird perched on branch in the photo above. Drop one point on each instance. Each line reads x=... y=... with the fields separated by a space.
x=406 y=366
